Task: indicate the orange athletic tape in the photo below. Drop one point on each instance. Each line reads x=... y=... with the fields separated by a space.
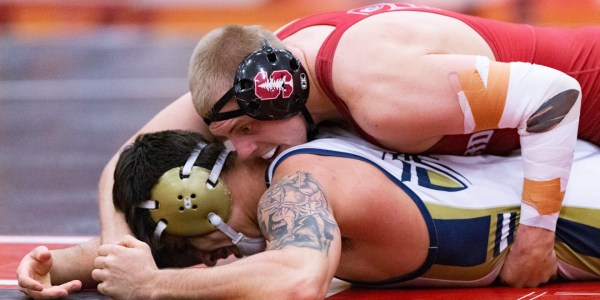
x=487 y=104
x=545 y=196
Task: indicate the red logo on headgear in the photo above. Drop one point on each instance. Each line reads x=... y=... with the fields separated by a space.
x=267 y=88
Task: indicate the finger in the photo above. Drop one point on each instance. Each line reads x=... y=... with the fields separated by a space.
x=41 y=254
x=48 y=293
x=27 y=270
x=103 y=249
x=101 y=288
x=106 y=249
x=131 y=242
x=27 y=282
x=106 y=289
x=42 y=260
x=100 y=262
x=99 y=275
x=71 y=286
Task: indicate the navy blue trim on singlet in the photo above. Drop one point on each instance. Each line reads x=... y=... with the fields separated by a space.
x=582 y=238
x=510 y=232
x=454 y=236
x=422 y=173
x=433 y=237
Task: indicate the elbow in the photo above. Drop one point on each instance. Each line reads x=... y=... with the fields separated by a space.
x=562 y=106
x=571 y=83
x=305 y=287
x=569 y=90
x=565 y=91
x=308 y=293
x=106 y=176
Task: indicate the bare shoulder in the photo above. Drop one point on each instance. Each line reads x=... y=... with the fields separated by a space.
x=295 y=212
x=325 y=168
x=350 y=188
x=385 y=56
x=329 y=176
x=341 y=195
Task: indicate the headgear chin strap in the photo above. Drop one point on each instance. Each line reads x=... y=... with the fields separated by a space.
x=185 y=198
x=248 y=246
x=270 y=84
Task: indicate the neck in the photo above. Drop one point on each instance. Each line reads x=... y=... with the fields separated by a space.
x=246 y=184
x=319 y=105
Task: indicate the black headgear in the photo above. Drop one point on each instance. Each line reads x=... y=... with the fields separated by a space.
x=270 y=84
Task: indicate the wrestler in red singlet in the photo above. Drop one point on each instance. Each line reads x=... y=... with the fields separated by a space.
x=570 y=50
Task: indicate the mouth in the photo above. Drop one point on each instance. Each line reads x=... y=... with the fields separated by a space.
x=270 y=154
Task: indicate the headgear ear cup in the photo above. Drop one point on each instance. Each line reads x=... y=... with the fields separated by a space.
x=182 y=198
x=184 y=203
x=192 y=201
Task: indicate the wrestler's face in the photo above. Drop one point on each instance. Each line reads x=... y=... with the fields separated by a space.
x=259 y=139
x=210 y=248
x=216 y=245
x=184 y=252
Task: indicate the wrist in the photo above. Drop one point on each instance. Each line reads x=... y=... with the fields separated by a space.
x=155 y=287
x=531 y=217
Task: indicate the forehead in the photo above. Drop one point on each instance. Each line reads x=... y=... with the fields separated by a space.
x=224 y=128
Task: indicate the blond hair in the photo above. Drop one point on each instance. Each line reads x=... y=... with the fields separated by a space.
x=216 y=58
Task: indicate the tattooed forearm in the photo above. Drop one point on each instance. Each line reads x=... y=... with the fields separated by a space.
x=294 y=212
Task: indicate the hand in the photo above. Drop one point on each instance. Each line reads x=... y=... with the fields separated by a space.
x=124 y=270
x=531 y=261
x=33 y=274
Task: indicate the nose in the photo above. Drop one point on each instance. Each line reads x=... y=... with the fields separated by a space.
x=244 y=147
x=208 y=259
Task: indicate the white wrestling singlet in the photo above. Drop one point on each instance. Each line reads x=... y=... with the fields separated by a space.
x=473 y=203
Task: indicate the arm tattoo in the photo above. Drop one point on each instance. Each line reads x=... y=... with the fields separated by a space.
x=294 y=212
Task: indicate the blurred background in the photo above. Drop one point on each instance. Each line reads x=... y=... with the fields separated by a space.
x=77 y=78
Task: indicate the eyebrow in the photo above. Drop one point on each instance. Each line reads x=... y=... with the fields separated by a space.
x=218 y=125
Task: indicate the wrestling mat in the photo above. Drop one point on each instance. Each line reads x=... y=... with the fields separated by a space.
x=13 y=248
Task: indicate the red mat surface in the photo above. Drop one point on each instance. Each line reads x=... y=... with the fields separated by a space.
x=580 y=290
x=11 y=253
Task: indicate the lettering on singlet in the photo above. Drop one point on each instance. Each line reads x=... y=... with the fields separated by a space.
x=426 y=171
x=478 y=142
x=378 y=8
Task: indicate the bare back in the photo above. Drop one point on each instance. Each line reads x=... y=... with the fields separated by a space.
x=419 y=51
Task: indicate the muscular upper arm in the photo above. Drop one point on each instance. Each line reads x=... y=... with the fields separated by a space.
x=294 y=212
x=457 y=94
x=296 y=219
x=408 y=102
x=396 y=81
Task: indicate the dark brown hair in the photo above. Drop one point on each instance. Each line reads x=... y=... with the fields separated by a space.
x=139 y=167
